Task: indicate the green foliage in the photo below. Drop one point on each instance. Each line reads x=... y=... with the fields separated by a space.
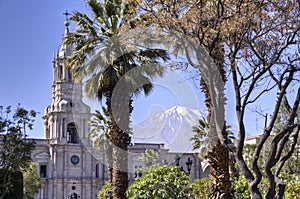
x=160 y=182
x=202 y=188
x=15 y=151
x=99 y=132
x=293 y=190
x=106 y=191
x=200 y=139
x=291 y=168
x=241 y=187
x=149 y=157
x=32 y=181
x=13 y=189
x=21 y=120
x=114 y=57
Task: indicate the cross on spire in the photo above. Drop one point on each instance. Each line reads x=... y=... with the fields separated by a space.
x=67 y=15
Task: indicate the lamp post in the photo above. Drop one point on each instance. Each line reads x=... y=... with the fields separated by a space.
x=189 y=164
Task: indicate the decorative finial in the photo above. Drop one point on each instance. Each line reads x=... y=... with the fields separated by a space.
x=67 y=18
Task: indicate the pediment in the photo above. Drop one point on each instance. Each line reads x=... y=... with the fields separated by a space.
x=43 y=155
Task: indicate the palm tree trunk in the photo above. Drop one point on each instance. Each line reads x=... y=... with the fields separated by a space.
x=219 y=160
x=120 y=164
x=120 y=141
x=218 y=154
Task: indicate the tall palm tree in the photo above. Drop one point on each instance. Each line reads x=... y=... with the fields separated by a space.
x=103 y=58
x=99 y=134
x=201 y=141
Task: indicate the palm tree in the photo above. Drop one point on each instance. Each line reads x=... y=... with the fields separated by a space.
x=200 y=138
x=99 y=134
x=102 y=57
x=201 y=141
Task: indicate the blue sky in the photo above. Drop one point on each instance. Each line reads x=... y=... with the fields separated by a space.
x=32 y=30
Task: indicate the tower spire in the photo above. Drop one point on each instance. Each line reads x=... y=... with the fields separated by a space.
x=67 y=23
x=65 y=50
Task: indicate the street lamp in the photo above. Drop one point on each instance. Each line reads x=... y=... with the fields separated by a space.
x=189 y=164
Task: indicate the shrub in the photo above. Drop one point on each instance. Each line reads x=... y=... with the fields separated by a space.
x=106 y=191
x=202 y=188
x=292 y=190
x=160 y=182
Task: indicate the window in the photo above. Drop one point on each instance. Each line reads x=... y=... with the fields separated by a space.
x=72 y=135
x=60 y=72
x=97 y=170
x=43 y=171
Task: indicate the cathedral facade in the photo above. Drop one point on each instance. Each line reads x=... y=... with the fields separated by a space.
x=68 y=165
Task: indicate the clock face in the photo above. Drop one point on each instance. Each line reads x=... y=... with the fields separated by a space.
x=74 y=159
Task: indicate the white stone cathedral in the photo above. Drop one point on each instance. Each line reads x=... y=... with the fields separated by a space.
x=63 y=157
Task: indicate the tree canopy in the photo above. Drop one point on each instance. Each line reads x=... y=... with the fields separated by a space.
x=255 y=46
x=160 y=182
x=15 y=150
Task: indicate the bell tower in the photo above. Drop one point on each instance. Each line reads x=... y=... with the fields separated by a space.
x=71 y=169
x=66 y=119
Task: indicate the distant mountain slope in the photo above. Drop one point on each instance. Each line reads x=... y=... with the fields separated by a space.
x=172 y=127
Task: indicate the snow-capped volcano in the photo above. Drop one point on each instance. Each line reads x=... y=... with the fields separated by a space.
x=172 y=127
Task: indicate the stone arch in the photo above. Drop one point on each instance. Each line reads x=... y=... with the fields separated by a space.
x=72 y=134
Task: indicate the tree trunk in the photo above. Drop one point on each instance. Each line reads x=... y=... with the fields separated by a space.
x=218 y=155
x=120 y=140
x=219 y=161
x=120 y=164
x=254 y=192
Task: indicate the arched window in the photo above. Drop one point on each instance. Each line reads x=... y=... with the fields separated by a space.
x=60 y=72
x=72 y=135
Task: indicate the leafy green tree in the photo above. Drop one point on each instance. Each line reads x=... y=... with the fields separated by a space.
x=241 y=187
x=31 y=181
x=292 y=190
x=102 y=57
x=106 y=191
x=160 y=182
x=202 y=188
x=15 y=150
